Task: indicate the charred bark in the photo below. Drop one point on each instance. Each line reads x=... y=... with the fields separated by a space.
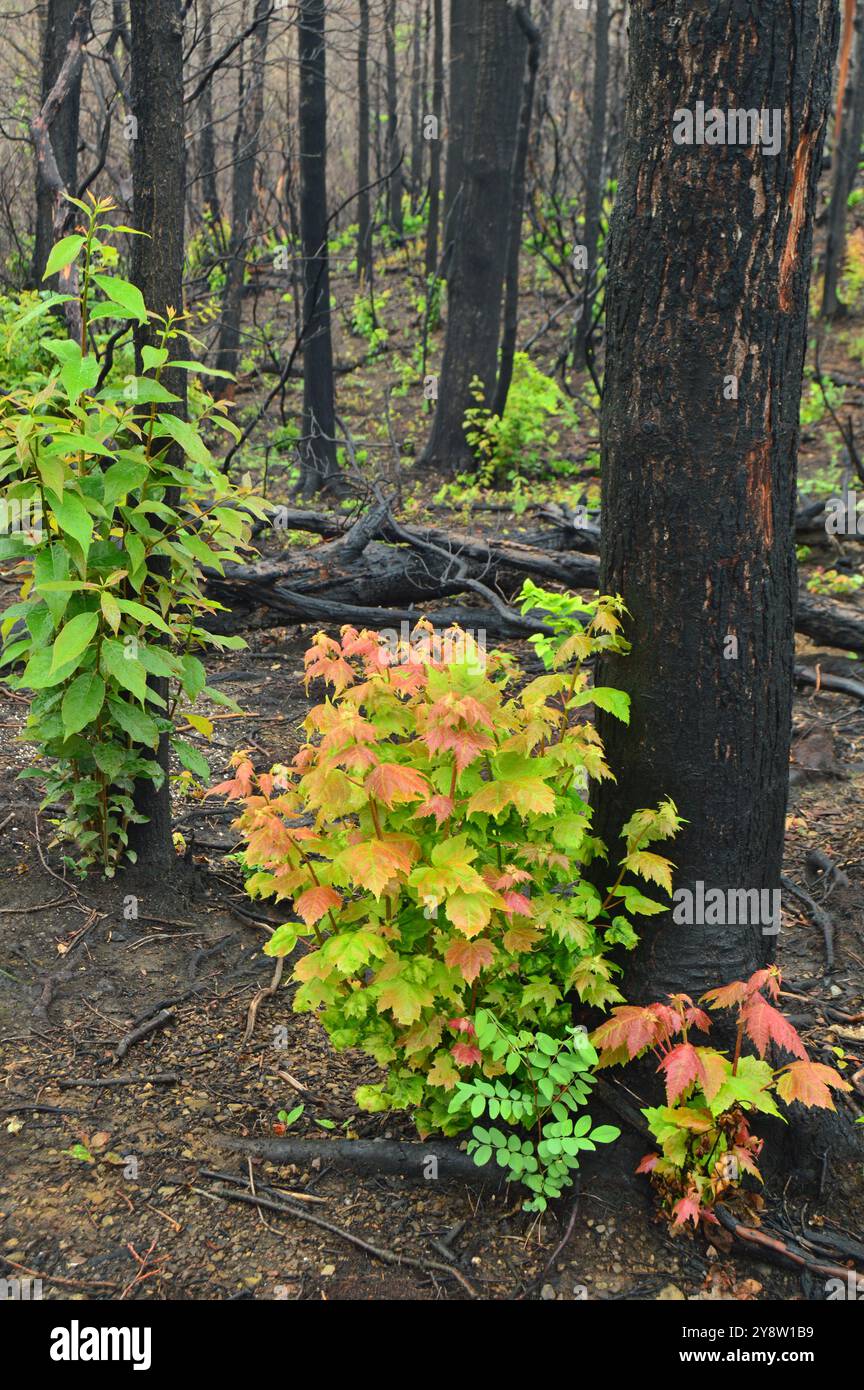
x=709 y=264
x=394 y=150
x=464 y=55
x=64 y=128
x=158 y=168
x=206 y=139
x=479 y=260
x=318 y=443
x=245 y=158
x=517 y=212
x=594 y=183
x=433 y=233
x=364 y=215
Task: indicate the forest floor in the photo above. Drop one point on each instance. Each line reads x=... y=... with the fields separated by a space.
x=109 y=1165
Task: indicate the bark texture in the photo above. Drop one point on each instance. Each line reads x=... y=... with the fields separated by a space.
x=464 y=42
x=63 y=132
x=364 y=214
x=847 y=150
x=479 y=261
x=594 y=181
x=709 y=264
x=158 y=168
x=318 y=446
x=433 y=233
x=247 y=135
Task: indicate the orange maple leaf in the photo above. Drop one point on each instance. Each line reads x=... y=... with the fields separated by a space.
x=470 y=957
x=391 y=782
x=316 y=902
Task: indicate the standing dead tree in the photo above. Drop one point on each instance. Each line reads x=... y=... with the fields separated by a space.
x=52 y=183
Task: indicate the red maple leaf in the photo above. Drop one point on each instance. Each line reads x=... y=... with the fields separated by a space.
x=462 y=1025
x=726 y=997
x=441 y=807
x=240 y=784
x=517 y=905
x=470 y=957
x=648 y=1163
x=697 y=1018
x=466 y=1055
x=682 y=1066
x=630 y=1026
x=809 y=1082
x=769 y=979
x=686 y=1209
x=765 y=1024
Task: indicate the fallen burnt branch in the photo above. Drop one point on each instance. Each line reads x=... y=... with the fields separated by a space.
x=416 y=1161
x=822 y=681
x=830 y=623
x=765 y=1247
x=376 y=572
x=355 y=578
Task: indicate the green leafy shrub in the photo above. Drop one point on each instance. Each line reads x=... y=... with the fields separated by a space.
x=24 y=330
x=433 y=837
x=523 y=441
x=564 y=612
x=110 y=588
x=547 y=1079
x=366 y=320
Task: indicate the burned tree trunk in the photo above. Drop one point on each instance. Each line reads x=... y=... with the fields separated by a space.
x=318 y=442
x=63 y=134
x=50 y=180
x=594 y=183
x=464 y=53
x=364 y=216
x=709 y=266
x=480 y=249
x=245 y=159
x=517 y=211
x=433 y=234
x=394 y=150
x=847 y=152
x=206 y=139
x=417 y=96
x=158 y=169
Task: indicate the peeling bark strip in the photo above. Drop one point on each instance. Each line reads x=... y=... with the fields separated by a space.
x=709 y=265
x=798 y=204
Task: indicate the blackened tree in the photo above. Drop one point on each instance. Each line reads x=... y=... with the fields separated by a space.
x=709 y=264
x=364 y=212
x=247 y=135
x=65 y=21
x=158 y=172
x=594 y=181
x=478 y=266
x=318 y=443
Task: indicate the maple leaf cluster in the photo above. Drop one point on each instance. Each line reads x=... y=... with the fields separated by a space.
x=431 y=837
x=703 y=1130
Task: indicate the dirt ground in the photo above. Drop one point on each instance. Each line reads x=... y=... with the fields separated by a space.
x=132 y=1212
